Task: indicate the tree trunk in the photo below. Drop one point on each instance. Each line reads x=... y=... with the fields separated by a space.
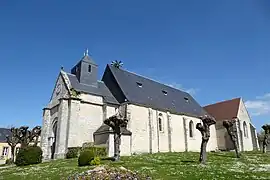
x=12 y=153
x=265 y=143
x=264 y=148
x=203 y=154
x=117 y=142
x=236 y=149
x=235 y=144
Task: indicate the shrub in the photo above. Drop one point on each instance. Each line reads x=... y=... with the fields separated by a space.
x=9 y=161
x=73 y=152
x=87 y=144
x=85 y=157
x=29 y=155
x=100 y=151
x=95 y=161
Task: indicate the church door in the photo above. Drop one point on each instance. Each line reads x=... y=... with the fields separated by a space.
x=54 y=140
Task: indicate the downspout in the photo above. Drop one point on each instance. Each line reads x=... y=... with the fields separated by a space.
x=150 y=117
x=68 y=123
x=185 y=134
x=169 y=131
x=157 y=130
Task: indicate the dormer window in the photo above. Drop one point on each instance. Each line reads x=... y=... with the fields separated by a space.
x=139 y=84
x=89 y=68
x=165 y=92
x=186 y=99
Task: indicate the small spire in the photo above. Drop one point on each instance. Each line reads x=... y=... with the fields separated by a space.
x=86 y=52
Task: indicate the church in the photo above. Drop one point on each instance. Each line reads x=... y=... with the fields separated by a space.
x=160 y=118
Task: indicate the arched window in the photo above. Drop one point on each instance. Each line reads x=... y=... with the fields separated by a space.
x=245 y=129
x=191 y=129
x=160 y=123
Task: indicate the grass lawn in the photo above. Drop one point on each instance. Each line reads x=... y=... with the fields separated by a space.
x=252 y=165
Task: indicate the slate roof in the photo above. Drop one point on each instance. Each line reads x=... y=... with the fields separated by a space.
x=100 y=90
x=106 y=129
x=3 y=133
x=154 y=94
x=224 y=110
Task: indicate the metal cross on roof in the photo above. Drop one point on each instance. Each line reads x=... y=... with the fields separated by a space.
x=86 y=53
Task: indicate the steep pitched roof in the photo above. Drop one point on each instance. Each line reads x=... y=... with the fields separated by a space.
x=87 y=58
x=3 y=133
x=144 y=91
x=100 y=90
x=224 y=110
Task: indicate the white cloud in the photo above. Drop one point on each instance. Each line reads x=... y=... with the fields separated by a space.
x=191 y=91
x=266 y=96
x=151 y=73
x=259 y=106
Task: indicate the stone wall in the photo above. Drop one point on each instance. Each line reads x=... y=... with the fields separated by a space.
x=146 y=136
x=244 y=117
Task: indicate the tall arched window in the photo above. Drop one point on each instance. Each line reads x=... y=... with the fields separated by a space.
x=160 y=122
x=191 y=129
x=245 y=129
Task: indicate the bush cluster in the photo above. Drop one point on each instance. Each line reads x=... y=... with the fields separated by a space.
x=91 y=155
x=95 y=162
x=73 y=152
x=29 y=155
x=86 y=157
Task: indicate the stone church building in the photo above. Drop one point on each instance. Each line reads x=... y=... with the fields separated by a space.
x=160 y=118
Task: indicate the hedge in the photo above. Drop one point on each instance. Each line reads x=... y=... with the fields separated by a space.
x=74 y=152
x=29 y=155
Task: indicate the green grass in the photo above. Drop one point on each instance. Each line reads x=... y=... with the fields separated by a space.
x=169 y=166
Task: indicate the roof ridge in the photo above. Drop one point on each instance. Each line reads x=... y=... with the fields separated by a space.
x=220 y=102
x=148 y=78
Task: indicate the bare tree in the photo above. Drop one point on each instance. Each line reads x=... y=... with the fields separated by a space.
x=25 y=136
x=205 y=131
x=116 y=122
x=12 y=141
x=230 y=125
x=266 y=129
x=22 y=136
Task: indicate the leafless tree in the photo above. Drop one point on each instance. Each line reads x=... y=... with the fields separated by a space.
x=205 y=131
x=23 y=137
x=266 y=129
x=13 y=141
x=116 y=122
x=230 y=125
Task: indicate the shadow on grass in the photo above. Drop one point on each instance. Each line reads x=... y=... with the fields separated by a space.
x=224 y=155
x=188 y=161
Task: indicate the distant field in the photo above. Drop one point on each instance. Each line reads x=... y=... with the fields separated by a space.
x=252 y=165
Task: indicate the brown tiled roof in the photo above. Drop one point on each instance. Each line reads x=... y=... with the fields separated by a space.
x=224 y=110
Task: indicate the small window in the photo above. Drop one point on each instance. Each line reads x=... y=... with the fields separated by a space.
x=5 y=151
x=245 y=129
x=89 y=68
x=165 y=92
x=139 y=84
x=186 y=99
x=160 y=123
x=191 y=129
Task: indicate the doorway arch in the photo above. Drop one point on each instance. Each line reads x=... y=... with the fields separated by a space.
x=54 y=132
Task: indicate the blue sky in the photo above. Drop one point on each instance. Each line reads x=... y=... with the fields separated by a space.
x=216 y=50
